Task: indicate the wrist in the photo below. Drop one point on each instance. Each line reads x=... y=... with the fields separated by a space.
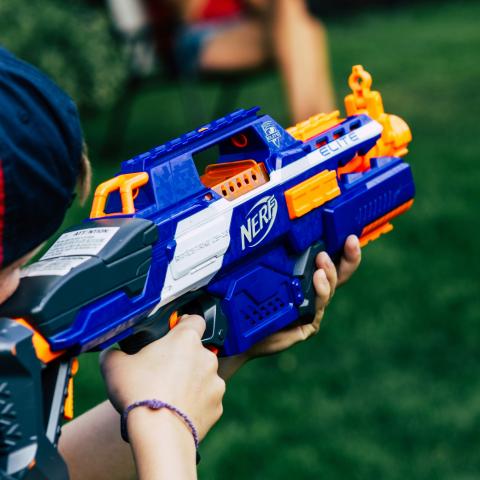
x=145 y=424
x=162 y=444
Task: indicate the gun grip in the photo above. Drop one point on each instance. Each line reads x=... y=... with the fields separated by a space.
x=304 y=270
x=162 y=321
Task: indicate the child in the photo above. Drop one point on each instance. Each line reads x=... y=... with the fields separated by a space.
x=229 y=37
x=42 y=159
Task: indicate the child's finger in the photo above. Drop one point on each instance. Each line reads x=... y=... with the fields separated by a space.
x=324 y=262
x=350 y=260
x=322 y=288
x=192 y=322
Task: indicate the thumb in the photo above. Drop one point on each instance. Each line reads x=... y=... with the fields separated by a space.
x=193 y=322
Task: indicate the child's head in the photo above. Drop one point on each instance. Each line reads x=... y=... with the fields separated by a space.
x=42 y=159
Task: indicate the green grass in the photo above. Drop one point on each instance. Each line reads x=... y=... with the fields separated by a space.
x=390 y=388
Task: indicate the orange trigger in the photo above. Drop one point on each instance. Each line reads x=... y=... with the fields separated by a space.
x=174 y=319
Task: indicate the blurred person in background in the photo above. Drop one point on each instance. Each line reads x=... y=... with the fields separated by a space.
x=228 y=36
x=232 y=35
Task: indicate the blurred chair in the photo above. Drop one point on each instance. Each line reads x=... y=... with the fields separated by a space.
x=146 y=29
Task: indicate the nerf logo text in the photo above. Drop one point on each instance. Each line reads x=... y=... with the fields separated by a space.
x=259 y=221
x=339 y=144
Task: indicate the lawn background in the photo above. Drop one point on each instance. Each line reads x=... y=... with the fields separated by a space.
x=390 y=388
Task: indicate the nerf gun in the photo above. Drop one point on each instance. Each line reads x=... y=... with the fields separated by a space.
x=235 y=244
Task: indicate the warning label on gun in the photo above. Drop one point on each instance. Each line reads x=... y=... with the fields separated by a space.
x=54 y=266
x=88 y=241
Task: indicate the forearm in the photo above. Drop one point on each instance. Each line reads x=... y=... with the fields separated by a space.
x=301 y=48
x=93 y=449
x=162 y=444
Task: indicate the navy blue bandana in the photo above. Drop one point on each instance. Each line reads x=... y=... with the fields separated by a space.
x=40 y=152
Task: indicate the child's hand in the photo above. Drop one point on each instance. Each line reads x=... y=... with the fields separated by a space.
x=176 y=369
x=325 y=281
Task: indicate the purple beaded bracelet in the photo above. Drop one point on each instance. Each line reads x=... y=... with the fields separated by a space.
x=156 y=405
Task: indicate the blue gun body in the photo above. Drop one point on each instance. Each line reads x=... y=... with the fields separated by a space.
x=243 y=251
